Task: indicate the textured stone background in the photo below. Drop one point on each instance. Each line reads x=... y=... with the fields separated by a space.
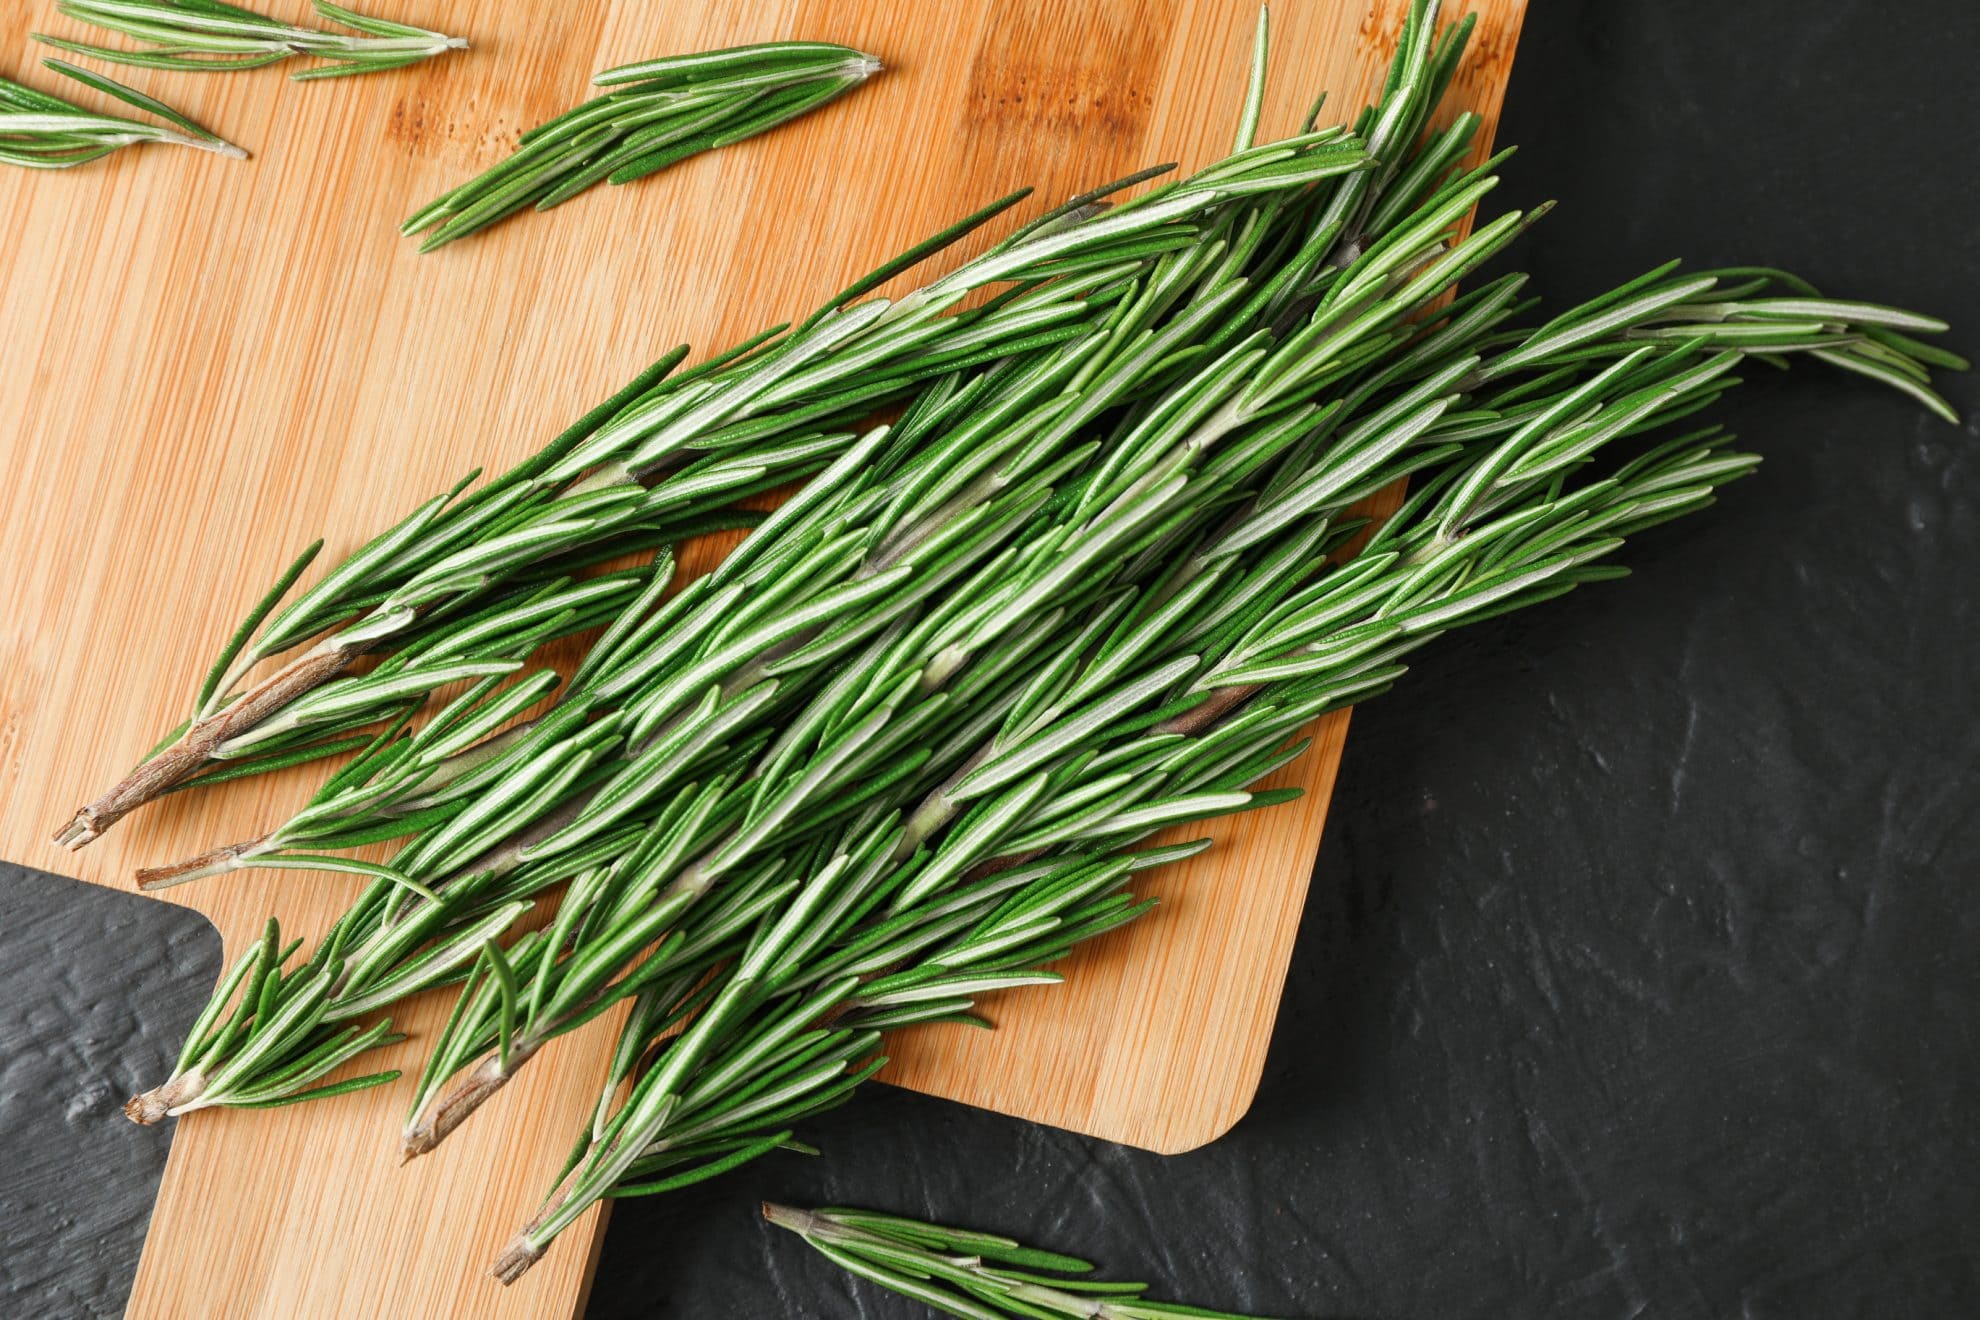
x=96 y=990
x=1639 y=975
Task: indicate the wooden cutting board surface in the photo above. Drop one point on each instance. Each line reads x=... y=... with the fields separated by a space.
x=207 y=363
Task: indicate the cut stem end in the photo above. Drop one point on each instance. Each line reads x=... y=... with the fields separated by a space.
x=157 y=1104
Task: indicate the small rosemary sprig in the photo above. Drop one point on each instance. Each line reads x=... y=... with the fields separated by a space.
x=658 y=113
x=209 y=34
x=977 y=1276
x=44 y=132
x=487 y=647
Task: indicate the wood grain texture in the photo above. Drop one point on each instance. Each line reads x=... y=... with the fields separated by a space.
x=208 y=363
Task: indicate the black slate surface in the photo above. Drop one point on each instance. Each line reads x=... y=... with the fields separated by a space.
x=97 y=988
x=1639 y=974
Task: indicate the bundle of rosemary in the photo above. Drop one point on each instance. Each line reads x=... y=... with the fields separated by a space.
x=45 y=132
x=211 y=34
x=749 y=420
x=378 y=798
x=658 y=114
x=905 y=746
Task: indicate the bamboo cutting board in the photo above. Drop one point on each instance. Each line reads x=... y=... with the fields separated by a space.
x=208 y=363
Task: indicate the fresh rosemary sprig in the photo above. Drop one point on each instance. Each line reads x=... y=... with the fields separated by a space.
x=978 y=1276
x=44 y=132
x=658 y=113
x=210 y=34
x=230 y=1039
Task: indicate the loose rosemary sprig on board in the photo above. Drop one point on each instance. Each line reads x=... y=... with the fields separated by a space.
x=487 y=647
x=207 y=35
x=658 y=113
x=961 y=1272
x=45 y=132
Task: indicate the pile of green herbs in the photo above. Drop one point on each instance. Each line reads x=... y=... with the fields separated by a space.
x=907 y=745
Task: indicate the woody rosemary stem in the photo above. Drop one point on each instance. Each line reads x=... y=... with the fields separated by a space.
x=194 y=748
x=488 y=1077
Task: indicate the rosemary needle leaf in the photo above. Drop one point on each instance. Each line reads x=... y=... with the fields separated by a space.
x=657 y=113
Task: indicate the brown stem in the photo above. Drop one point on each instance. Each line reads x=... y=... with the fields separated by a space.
x=1199 y=717
x=454 y=767
x=154 y=1105
x=453 y=1108
x=663 y=467
x=489 y=1076
x=515 y=1260
x=519 y=1255
x=195 y=747
x=990 y=866
x=786 y=1216
x=507 y=856
x=197 y=868
x=935 y=810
